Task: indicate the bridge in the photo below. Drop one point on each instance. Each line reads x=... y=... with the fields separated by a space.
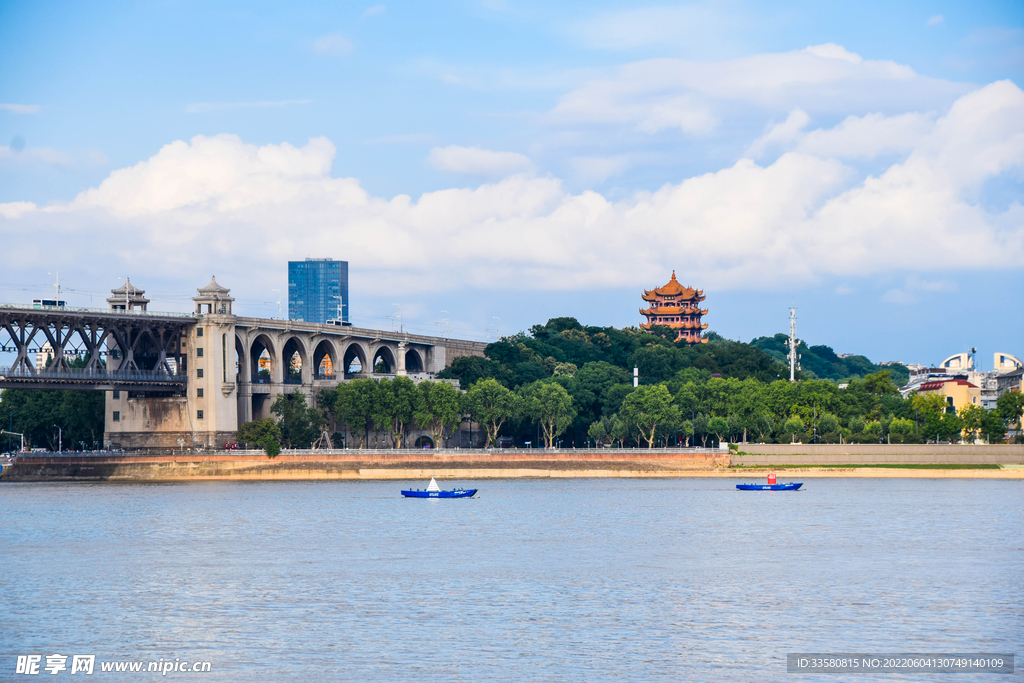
x=189 y=379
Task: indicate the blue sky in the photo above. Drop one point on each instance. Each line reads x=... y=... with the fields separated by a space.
x=512 y=161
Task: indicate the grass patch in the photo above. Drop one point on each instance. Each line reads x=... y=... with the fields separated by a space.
x=892 y=466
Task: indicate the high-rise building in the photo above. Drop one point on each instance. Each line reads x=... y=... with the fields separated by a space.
x=318 y=291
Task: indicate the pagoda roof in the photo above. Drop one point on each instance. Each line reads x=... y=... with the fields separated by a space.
x=213 y=287
x=128 y=291
x=128 y=288
x=672 y=288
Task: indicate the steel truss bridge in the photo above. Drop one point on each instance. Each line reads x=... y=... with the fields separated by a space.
x=92 y=348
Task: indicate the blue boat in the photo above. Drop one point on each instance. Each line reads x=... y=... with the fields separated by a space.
x=434 y=491
x=770 y=486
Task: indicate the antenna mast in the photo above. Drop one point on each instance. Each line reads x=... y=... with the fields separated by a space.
x=792 y=343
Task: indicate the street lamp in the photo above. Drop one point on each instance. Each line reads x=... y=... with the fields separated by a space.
x=10 y=428
x=60 y=439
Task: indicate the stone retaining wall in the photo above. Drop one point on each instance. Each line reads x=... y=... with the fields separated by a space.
x=877 y=454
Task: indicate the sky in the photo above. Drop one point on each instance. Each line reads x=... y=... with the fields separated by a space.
x=485 y=166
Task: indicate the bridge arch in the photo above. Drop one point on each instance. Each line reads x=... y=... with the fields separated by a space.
x=295 y=361
x=241 y=361
x=413 y=361
x=355 y=362
x=263 y=360
x=384 y=361
x=325 y=360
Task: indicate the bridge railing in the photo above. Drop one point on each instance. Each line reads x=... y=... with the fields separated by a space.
x=6 y=372
x=104 y=311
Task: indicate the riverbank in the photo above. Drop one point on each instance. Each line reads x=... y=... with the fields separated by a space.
x=463 y=465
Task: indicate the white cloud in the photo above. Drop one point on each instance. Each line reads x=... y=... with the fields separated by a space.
x=868 y=136
x=661 y=94
x=935 y=20
x=781 y=133
x=374 y=10
x=16 y=209
x=333 y=45
x=21 y=108
x=478 y=161
x=207 y=107
x=216 y=204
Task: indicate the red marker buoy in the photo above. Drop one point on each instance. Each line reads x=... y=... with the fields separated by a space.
x=771 y=478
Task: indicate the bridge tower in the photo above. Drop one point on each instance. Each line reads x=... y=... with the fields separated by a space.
x=213 y=405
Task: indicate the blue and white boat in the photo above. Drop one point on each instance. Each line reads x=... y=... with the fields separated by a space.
x=770 y=486
x=434 y=491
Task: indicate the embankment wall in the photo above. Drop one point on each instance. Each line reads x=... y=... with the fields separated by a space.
x=476 y=464
x=877 y=454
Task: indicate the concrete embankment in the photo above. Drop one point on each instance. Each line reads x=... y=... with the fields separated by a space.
x=481 y=464
x=768 y=455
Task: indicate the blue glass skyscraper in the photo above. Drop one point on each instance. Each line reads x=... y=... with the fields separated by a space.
x=314 y=288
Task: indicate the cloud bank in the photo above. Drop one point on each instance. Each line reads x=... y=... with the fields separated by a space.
x=217 y=204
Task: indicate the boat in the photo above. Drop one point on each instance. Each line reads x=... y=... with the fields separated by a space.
x=434 y=491
x=770 y=486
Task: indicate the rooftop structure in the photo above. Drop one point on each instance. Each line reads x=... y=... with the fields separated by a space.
x=676 y=306
x=127 y=298
x=989 y=385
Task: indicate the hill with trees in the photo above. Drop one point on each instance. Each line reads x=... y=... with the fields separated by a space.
x=821 y=362
x=567 y=384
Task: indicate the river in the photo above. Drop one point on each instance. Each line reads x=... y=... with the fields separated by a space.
x=533 y=580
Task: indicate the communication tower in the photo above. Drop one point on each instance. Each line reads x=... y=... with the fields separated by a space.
x=792 y=343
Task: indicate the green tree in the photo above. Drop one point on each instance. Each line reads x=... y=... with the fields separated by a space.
x=901 y=428
x=38 y=413
x=598 y=431
x=648 y=407
x=355 y=407
x=300 y=424
x=1010 y=406
x=794 y=426
x=719 y=426
x=828 y=423
x=263 y=434
x=618 y=430
x=763 y=424
x=873 y=429
x=551 y=405
x=993 y=427
x=438 y=409
x=972 y=417
x=404 y=402
x=491 y=405
x=685 y=428
x=701 y=427
x=382 y=410
x=857 y=424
